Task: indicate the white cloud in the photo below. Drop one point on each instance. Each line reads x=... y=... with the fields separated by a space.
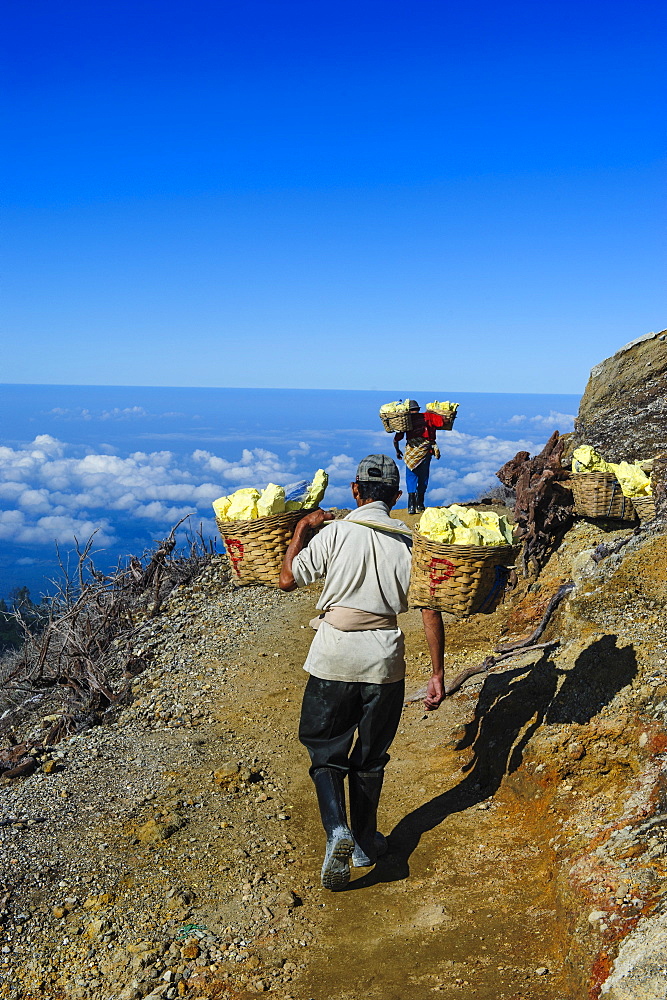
x=257 y=466
x=117 y=413
x=157 y=511
x=302 y=449
x=339 y=496
x=457 y=444
x=48 y=491
x=51 y=490
x=553 y=421
x=35 y=500
x=17 y=528
x=342 y=467
x=125 y=413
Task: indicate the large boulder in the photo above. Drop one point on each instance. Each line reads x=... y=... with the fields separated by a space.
x=623 y=412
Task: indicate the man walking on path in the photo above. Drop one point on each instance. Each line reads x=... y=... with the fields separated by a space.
x=356 y=661
x=419 y=447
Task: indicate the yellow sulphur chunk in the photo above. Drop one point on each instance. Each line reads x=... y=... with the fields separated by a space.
x=316 y=490
x=586 y=459
x=220 y=507
x=446 y=408
x=435 y=526
x=458 y=513
x=634 y=481
x=396 y=407
x=491 y=536
x=243 y=506
x=506 y=529
x=272 y=501
x=468 y=536
x=460 y=525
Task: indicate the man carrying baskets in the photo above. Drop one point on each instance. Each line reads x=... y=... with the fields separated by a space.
x=419 y=447
x=356 y=662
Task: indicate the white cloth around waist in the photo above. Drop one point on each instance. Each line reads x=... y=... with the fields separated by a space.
x=353 y=620
x=371 y=656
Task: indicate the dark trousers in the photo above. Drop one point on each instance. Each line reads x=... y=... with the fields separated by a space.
x=333 y=712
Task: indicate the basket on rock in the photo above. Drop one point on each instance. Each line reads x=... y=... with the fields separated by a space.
x=459 y=579
x=599 y=494
x=645 y=507
x=256 y=549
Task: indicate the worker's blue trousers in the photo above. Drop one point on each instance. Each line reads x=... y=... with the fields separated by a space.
x=416 y=480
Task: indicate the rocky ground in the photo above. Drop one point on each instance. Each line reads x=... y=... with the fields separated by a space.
x=175 y=850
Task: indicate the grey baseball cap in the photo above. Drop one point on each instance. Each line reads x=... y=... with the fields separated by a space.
x=412 y=404
x=378 y=469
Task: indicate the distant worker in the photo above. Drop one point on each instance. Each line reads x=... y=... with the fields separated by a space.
x=419 y=447
x=356 y=661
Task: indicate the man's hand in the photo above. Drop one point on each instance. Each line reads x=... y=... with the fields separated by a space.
x=302 y=535
x=436 y=451
x=399 y=453
x=435 y=693
x=314 y=519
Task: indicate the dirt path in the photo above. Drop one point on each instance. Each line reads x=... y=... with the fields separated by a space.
x=176 y=851
x=463 y=903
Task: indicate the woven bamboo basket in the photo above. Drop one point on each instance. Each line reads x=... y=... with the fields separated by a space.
x=396 y=422
x=256 y=549
x=645 y=507
x=449 y=416
x=459 y=579
x=599 y=494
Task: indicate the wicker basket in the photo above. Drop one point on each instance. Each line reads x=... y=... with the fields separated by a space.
x=599 y=494
x=645 y=507
x=395 y=422
x=459 y=579
x=256 y=549
x=449 y=416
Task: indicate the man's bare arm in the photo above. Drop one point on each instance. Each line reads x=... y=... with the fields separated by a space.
x=300 y=539
x=435 y=637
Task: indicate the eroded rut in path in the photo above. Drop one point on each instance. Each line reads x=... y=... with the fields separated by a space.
x=465 y=902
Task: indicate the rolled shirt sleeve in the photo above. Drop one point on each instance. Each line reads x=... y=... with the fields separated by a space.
x=311 y=563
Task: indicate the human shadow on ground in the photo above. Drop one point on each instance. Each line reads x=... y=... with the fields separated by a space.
x=510 y=708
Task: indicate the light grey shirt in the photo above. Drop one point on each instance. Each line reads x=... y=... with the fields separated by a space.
x=367 y=568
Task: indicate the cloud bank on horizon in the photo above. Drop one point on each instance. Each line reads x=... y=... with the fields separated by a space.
x=52 y=491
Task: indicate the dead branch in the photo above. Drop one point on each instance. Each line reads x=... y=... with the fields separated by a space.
x=488 y=664
x=85 y=645
x=562 y=592
x=505 y=652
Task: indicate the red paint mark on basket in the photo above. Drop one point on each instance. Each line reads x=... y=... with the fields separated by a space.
x=439 y=571
x=235 y=553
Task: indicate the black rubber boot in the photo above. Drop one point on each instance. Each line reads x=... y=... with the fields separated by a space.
x=412 y=503
x=365 y=789
x=420 y=501
x=329 y=785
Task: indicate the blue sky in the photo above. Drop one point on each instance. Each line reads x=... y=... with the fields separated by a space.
x=348 y=195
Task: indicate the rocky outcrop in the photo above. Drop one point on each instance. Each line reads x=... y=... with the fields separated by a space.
x=639 y=969
x=623 y=411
